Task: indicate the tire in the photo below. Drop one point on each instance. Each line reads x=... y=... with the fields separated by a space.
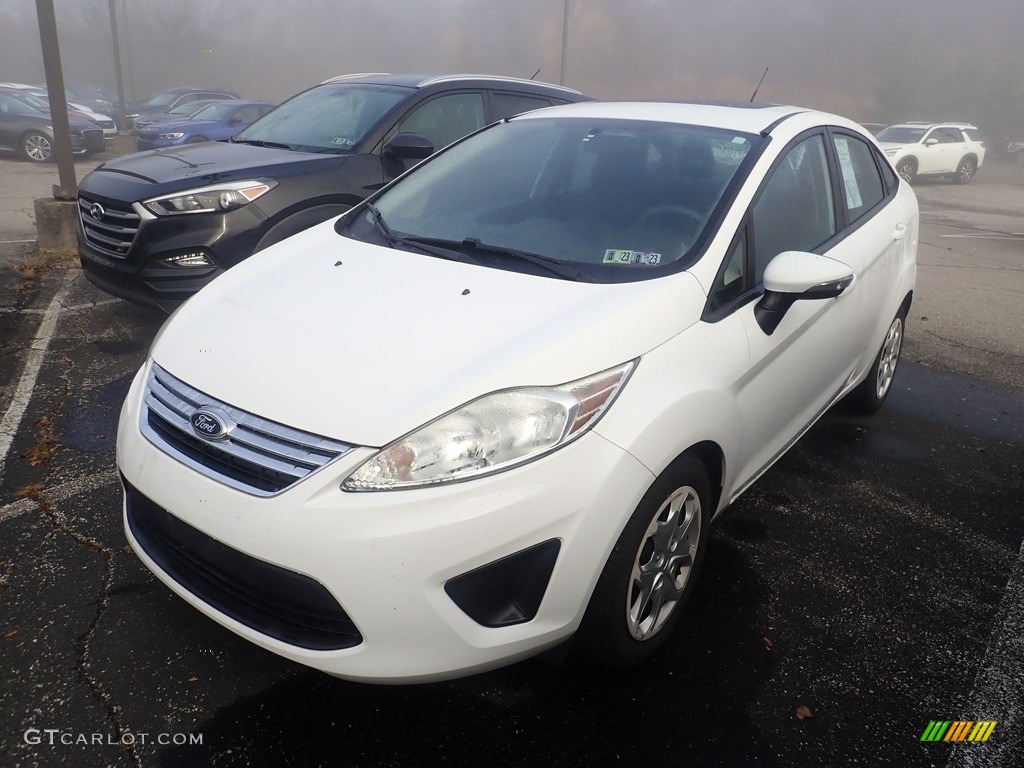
x=871 y=393
x=196 y=140
x=965 y=171
x=650 y=574
x=907 y=169
x=37 y=147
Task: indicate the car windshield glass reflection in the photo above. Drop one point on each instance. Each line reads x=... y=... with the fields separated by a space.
x=610 y=198
x=215 y=112
x=329 y=118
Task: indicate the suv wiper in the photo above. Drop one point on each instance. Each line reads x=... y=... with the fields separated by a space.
x=261 y=143
x=554 y=266
x=426 y=245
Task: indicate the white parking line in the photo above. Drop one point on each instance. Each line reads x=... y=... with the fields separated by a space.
x=1007 y=236
x=33 y=363
x=12 y=242
x=60 y=493
x=998 y=692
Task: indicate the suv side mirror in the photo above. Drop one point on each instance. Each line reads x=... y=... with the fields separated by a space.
x=409 y=146
x=930 y=142
x=795 y=276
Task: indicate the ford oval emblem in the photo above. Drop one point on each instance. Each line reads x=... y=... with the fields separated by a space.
x=97 y=212
x=209 y=424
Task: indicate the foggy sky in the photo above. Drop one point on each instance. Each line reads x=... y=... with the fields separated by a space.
x=873 y=60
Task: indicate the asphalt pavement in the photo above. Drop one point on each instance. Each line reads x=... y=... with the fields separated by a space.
x=870 y=583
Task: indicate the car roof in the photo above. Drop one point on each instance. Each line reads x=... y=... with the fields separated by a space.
x=409 y=80
x=926 y=124
x=737 y=116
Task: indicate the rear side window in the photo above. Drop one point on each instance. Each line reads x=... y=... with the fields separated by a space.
x=862 y=186
x=446 y=118
x=512 y=104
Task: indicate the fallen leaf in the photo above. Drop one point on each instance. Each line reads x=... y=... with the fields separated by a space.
x=193 y=679
x=10 y=633
x=767 y=643
x=804 y=712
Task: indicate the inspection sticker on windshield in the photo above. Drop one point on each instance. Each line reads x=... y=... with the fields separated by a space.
x=631 y=258
x=343 y=141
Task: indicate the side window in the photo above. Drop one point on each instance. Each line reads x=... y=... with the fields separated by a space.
x=859 y=175
x=946 y=136
x=511 y=104
x=447 y=118
x=795 y=211
x=246 y=115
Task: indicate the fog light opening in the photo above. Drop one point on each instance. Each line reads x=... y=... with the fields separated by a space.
x=190 y=259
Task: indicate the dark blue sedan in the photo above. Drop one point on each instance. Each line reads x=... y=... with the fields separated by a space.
x=216 y=122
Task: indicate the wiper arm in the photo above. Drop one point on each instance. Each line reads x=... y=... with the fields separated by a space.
x=554 y=266
x=260 y=143
x=424 y=244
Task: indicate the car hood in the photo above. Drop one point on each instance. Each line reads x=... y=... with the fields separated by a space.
x=145 y=174
x=891 y=145
x=364 y=343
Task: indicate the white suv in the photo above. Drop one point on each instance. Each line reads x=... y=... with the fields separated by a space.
x=933 y=149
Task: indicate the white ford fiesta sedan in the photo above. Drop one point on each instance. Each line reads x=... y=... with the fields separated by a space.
x=498 y=405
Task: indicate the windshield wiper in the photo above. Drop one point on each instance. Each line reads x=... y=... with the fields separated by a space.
x=260 y=143
x=554 y=266
x=426 y=245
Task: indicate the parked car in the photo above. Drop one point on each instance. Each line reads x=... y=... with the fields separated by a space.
x=500 y=402
x=178 y=113
x=172 y=97
x=215 y=122
x=934 y=149
x=170 y=223
x=96 y=98
x=40 y=98
x=28 y=130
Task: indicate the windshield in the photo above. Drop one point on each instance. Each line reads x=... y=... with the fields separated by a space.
x=610 y=198
x=188 y=108
x=902 y=134
x=219 y=111
x=331 y=117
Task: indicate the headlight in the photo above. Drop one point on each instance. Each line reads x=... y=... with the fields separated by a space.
x=491 y=434
x=220 y=197
x=176 y=135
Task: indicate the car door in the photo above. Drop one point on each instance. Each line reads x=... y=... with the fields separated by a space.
x=442 y=120
x=798 y=368
x=940 y=153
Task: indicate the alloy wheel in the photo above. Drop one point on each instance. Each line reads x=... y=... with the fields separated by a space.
x=889 y=358
x=38 y=148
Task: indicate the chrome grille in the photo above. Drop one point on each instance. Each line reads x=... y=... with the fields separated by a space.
x=258 y=456
x=115 y=232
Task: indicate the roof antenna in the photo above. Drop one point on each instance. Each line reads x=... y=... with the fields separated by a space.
x=535 y=73
x=754 y=96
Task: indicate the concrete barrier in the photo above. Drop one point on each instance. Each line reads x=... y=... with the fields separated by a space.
x=57 y=226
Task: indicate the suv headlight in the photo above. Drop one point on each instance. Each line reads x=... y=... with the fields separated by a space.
x=175 y=135
x=219 y=197
x=491 y=434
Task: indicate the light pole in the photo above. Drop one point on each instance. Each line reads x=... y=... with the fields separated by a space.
x=565 y=40
x=122 y=120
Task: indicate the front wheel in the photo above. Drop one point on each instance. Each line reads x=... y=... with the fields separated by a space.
x=907 y=169
x=965 y=171
x=872 y=392
x=36 y=147
x=651 y=572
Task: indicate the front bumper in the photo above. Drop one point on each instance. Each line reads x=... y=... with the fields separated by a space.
x=133 y=265
x=386 y=557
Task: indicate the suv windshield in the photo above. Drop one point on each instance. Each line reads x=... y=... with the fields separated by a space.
x=215 y=112
x=162 y=99
x=332 y=117
x=902 y=134
x=610 y=198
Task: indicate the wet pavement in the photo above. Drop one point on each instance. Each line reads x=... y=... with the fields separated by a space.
x=866 y=585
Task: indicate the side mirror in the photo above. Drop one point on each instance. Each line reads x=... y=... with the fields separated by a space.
x=409 y=146
x=235 y=121
x=930 y=142
x=797 y=276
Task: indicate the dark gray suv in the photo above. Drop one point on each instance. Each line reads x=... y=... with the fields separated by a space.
x=156 y=226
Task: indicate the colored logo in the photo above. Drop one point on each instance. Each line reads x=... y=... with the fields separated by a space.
x=209 y=424
x=958 y=730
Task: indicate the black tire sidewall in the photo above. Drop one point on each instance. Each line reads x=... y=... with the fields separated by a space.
x=604 y=634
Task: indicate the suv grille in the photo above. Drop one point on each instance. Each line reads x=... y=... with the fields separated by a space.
x=257 y=456
x=113 y=233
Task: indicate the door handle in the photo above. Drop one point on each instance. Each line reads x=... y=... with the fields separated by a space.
x=900 y=232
